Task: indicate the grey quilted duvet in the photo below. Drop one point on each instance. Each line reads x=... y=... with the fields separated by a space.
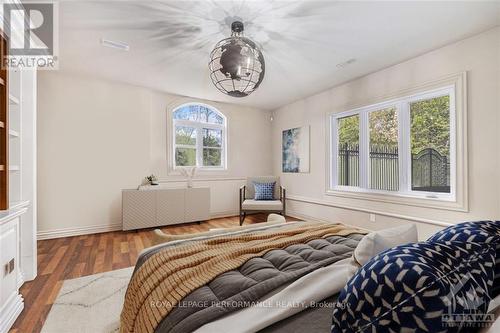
x=256 y=278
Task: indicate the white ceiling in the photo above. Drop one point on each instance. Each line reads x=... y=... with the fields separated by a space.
x=302 y=41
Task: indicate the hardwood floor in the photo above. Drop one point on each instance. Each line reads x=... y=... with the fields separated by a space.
x=71 y=257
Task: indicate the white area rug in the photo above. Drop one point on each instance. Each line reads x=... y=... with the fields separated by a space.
x=90 y=304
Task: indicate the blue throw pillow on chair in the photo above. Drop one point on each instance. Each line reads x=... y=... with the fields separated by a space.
x=264 y=191
x=422 y=287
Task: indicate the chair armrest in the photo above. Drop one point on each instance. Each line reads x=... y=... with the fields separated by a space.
x=282 y=193
x=242 y=194
x=283 y=199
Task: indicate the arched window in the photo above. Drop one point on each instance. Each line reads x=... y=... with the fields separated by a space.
x=199 y=132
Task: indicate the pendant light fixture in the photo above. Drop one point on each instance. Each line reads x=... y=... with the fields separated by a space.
x=236 y=64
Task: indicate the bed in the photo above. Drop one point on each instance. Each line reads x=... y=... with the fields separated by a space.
x=317 y=277
x=268 y=277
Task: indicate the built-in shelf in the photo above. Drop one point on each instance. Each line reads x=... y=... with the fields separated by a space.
x=17 y=166
x=14 y=134
x=4 y=135
x=13 y=100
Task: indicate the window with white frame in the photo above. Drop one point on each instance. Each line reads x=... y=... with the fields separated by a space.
x=404 y=146
x=199 y=137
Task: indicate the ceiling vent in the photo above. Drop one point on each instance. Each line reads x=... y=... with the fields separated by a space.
x=115 y=45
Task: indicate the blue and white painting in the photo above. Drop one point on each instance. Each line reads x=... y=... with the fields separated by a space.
x=296 y=150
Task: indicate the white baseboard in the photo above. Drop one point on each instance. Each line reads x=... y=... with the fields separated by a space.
x=68 y=232
x=95 y=229
x=10 y=313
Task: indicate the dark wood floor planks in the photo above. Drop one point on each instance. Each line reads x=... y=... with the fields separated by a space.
x=72 y=257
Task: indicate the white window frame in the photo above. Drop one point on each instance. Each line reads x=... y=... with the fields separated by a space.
x=199 y=126
x=405 y=193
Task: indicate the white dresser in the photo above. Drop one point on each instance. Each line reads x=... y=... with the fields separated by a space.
x=157 y=206
x=11 y=272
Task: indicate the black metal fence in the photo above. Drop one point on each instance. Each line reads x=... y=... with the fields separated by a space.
x=430 y=170
x=348 y=165
x=384 y=168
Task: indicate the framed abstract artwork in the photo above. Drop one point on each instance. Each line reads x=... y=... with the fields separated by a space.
x=295 y=150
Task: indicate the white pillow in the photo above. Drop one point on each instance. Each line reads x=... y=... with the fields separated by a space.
x=378 y=241
x=276 y=218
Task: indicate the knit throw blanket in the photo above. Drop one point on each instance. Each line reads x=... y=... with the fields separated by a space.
x=170 y=275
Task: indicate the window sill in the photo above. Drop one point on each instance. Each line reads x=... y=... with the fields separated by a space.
x=200 y=171
x=200 y=168
x=447 y=202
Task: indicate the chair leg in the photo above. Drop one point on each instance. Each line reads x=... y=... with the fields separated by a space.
x=242 y=218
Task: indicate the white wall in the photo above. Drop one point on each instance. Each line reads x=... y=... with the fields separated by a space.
x=97 y=137
x=480 y=57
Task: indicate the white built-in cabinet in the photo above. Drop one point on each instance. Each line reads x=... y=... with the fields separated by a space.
x=18 y=224
x=18 y=257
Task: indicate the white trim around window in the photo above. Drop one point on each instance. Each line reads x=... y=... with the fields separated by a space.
x=457 y=199
x=199 y=126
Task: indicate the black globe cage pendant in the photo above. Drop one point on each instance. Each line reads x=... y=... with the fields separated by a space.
x=236 y=64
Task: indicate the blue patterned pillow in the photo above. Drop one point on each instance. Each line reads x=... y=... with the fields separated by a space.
x=264 y=191
x=478 y=232
x=421 y=287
